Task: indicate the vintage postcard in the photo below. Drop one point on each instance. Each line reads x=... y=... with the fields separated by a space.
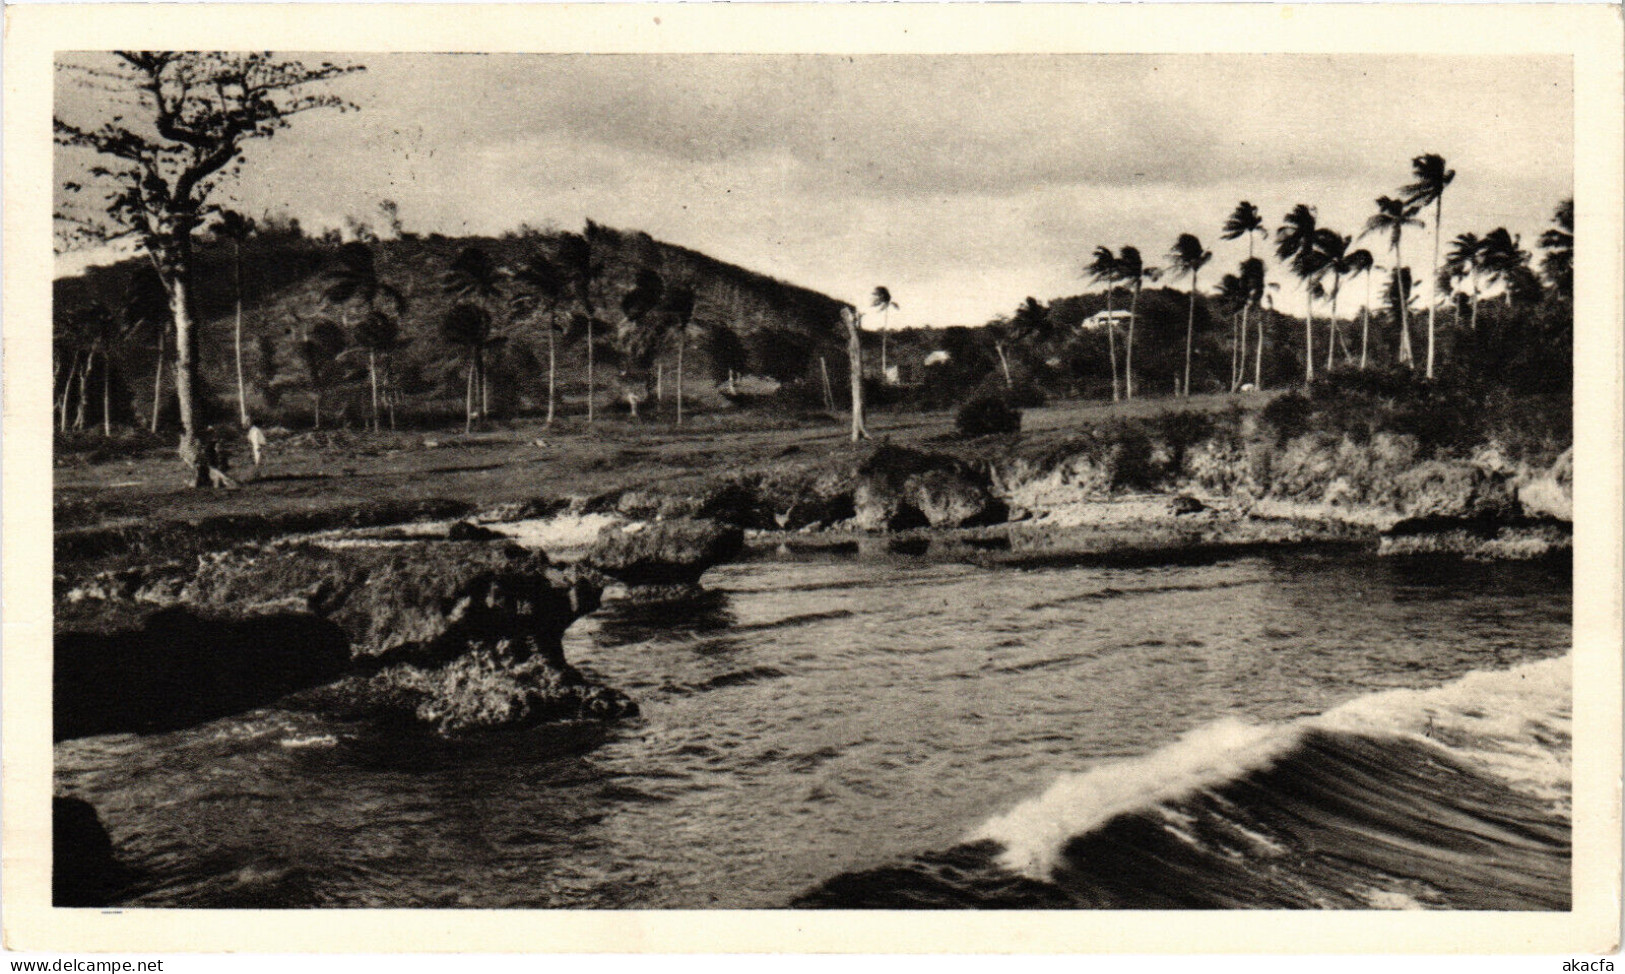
x=823 y=477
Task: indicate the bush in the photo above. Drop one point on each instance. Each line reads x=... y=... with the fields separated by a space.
x=986 y=415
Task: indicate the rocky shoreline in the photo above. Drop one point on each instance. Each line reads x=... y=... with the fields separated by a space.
x=452 y=628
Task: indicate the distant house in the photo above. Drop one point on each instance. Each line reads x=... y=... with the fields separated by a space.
x=938 y=357
x=1100 y=318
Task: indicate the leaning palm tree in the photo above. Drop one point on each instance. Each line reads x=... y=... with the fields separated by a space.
x=1105 y=269
x=1340 y=262
x=1392 y=217
x=882 y=302
x=1558 y=242
x=537 y=283
x=1187 y=259
x=1431 y=180
x=1295 y=244
x=237 y=228
x=1134 y=271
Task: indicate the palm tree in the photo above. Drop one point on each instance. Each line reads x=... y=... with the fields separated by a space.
x=1558 y=242
x=1234 y=297
x=1245 y=220
x=1465 y=262
x=637 y=340
x=320 y=344
x=474 y=277
x=1505 y=261
x=883 y=303
x=378 y=334
x=1187 y=258
x=678 y=307
x=536 y=283
x=1431 y=180
x=469 y=326
x=1397 y=293
x=237 y=228
x=1134 y=271
x=581 y=269
x=1355 y=263
x=1392 y=217
x=1340 y=262
x=1105 y=269
x=1295 y=244
x=146 y=305
x=1252 y=274
x=354 y=279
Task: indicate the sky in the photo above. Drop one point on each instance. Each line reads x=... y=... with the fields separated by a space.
x=962 y=183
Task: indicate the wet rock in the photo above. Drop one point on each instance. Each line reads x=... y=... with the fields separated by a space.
x=878 y=506
x=492 y=688
x=128 y=669
x=675 y=552
x=1444 y=489
x=951 y=500
x=429 y=600
x=794 y=500
x=469 y=531
x=84 y=871
x=1502 y=543
x=1185 y=504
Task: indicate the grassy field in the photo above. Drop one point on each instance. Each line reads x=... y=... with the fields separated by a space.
x=97 y=485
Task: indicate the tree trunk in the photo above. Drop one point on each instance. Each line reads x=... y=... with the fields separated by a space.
x=1308 y=336
x=1111 y=344
x=158 y=381
x=829 y=394
x=1004 y=364
x=237 y=280
x=1332 y=334
x=372 y=371
x=680 y=345
x=883 y=372
x=1128 y=351
x=1474 y=322
x=552 y=366
x=485 y=384
x=468 y=399
x=1190 y=335
x=186 y=349
x=1433 y=279
x=590 y=389
x=1241 y=362
x=660 y=379
x=83 y=408
x=1365 y=320
x=854 y=354
x=67 y=389
x=107 y=396
x=1401 y=297
x=1258 y=362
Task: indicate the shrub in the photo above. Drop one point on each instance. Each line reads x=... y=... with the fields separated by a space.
x=986 y=415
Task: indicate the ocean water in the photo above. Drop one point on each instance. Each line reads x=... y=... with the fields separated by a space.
x=1312 y=729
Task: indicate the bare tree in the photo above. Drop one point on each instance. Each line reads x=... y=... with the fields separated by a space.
x=174 y=129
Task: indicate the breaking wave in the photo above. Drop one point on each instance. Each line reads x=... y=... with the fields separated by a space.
x=1456 y=797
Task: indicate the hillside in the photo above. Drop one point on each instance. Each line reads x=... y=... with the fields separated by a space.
x=747 y=322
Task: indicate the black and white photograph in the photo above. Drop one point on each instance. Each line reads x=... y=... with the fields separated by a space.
x=728 y=478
